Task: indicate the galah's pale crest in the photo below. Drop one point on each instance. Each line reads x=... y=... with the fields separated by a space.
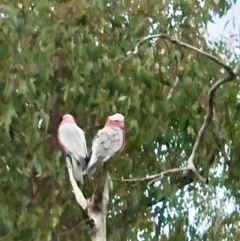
x=107 y=142
x=73 y=142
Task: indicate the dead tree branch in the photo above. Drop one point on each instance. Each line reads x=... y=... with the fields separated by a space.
x=206 y=123
x=153 y=178
x=81 y=200
x=232 y=74
x=95 y=208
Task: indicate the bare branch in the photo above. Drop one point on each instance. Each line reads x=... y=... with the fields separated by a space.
x=208 y=117
x=155 y=177
x=182 y=44
x=81 y=200
x=95 y=208
x=207 y=121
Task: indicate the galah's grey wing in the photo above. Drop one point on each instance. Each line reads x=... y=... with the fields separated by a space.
x=73 y=140
x=106 y=143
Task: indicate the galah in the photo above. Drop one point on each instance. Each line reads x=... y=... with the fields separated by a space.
x=107 y=142
x=72 y=141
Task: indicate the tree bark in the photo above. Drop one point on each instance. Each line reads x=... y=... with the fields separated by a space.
x=97 y=212
x=95 y=207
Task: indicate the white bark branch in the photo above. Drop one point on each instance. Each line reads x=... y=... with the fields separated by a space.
x=155 y=177
x=95 y=208
x=81 y=200
x=232 y=74
x=207 y=121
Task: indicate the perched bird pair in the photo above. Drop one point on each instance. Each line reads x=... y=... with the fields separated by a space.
x=107 y=142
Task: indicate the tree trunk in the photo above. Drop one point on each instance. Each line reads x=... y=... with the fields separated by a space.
x=97 y=212
x=95 y=208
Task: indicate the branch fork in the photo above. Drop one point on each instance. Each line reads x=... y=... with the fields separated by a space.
x=232 y=74
x=94 y=208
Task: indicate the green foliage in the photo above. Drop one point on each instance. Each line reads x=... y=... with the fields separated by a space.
x=57 y=57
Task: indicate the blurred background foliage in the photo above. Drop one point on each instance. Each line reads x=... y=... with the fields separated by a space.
x=59 y=57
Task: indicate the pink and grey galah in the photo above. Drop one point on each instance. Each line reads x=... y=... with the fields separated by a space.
x=72 y=141
x=107 y=142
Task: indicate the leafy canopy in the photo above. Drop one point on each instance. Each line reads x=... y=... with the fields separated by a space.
x=59 y=57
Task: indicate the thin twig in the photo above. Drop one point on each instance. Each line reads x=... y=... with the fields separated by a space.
x=180 y=43
x=81 y=200
x=154 y=177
